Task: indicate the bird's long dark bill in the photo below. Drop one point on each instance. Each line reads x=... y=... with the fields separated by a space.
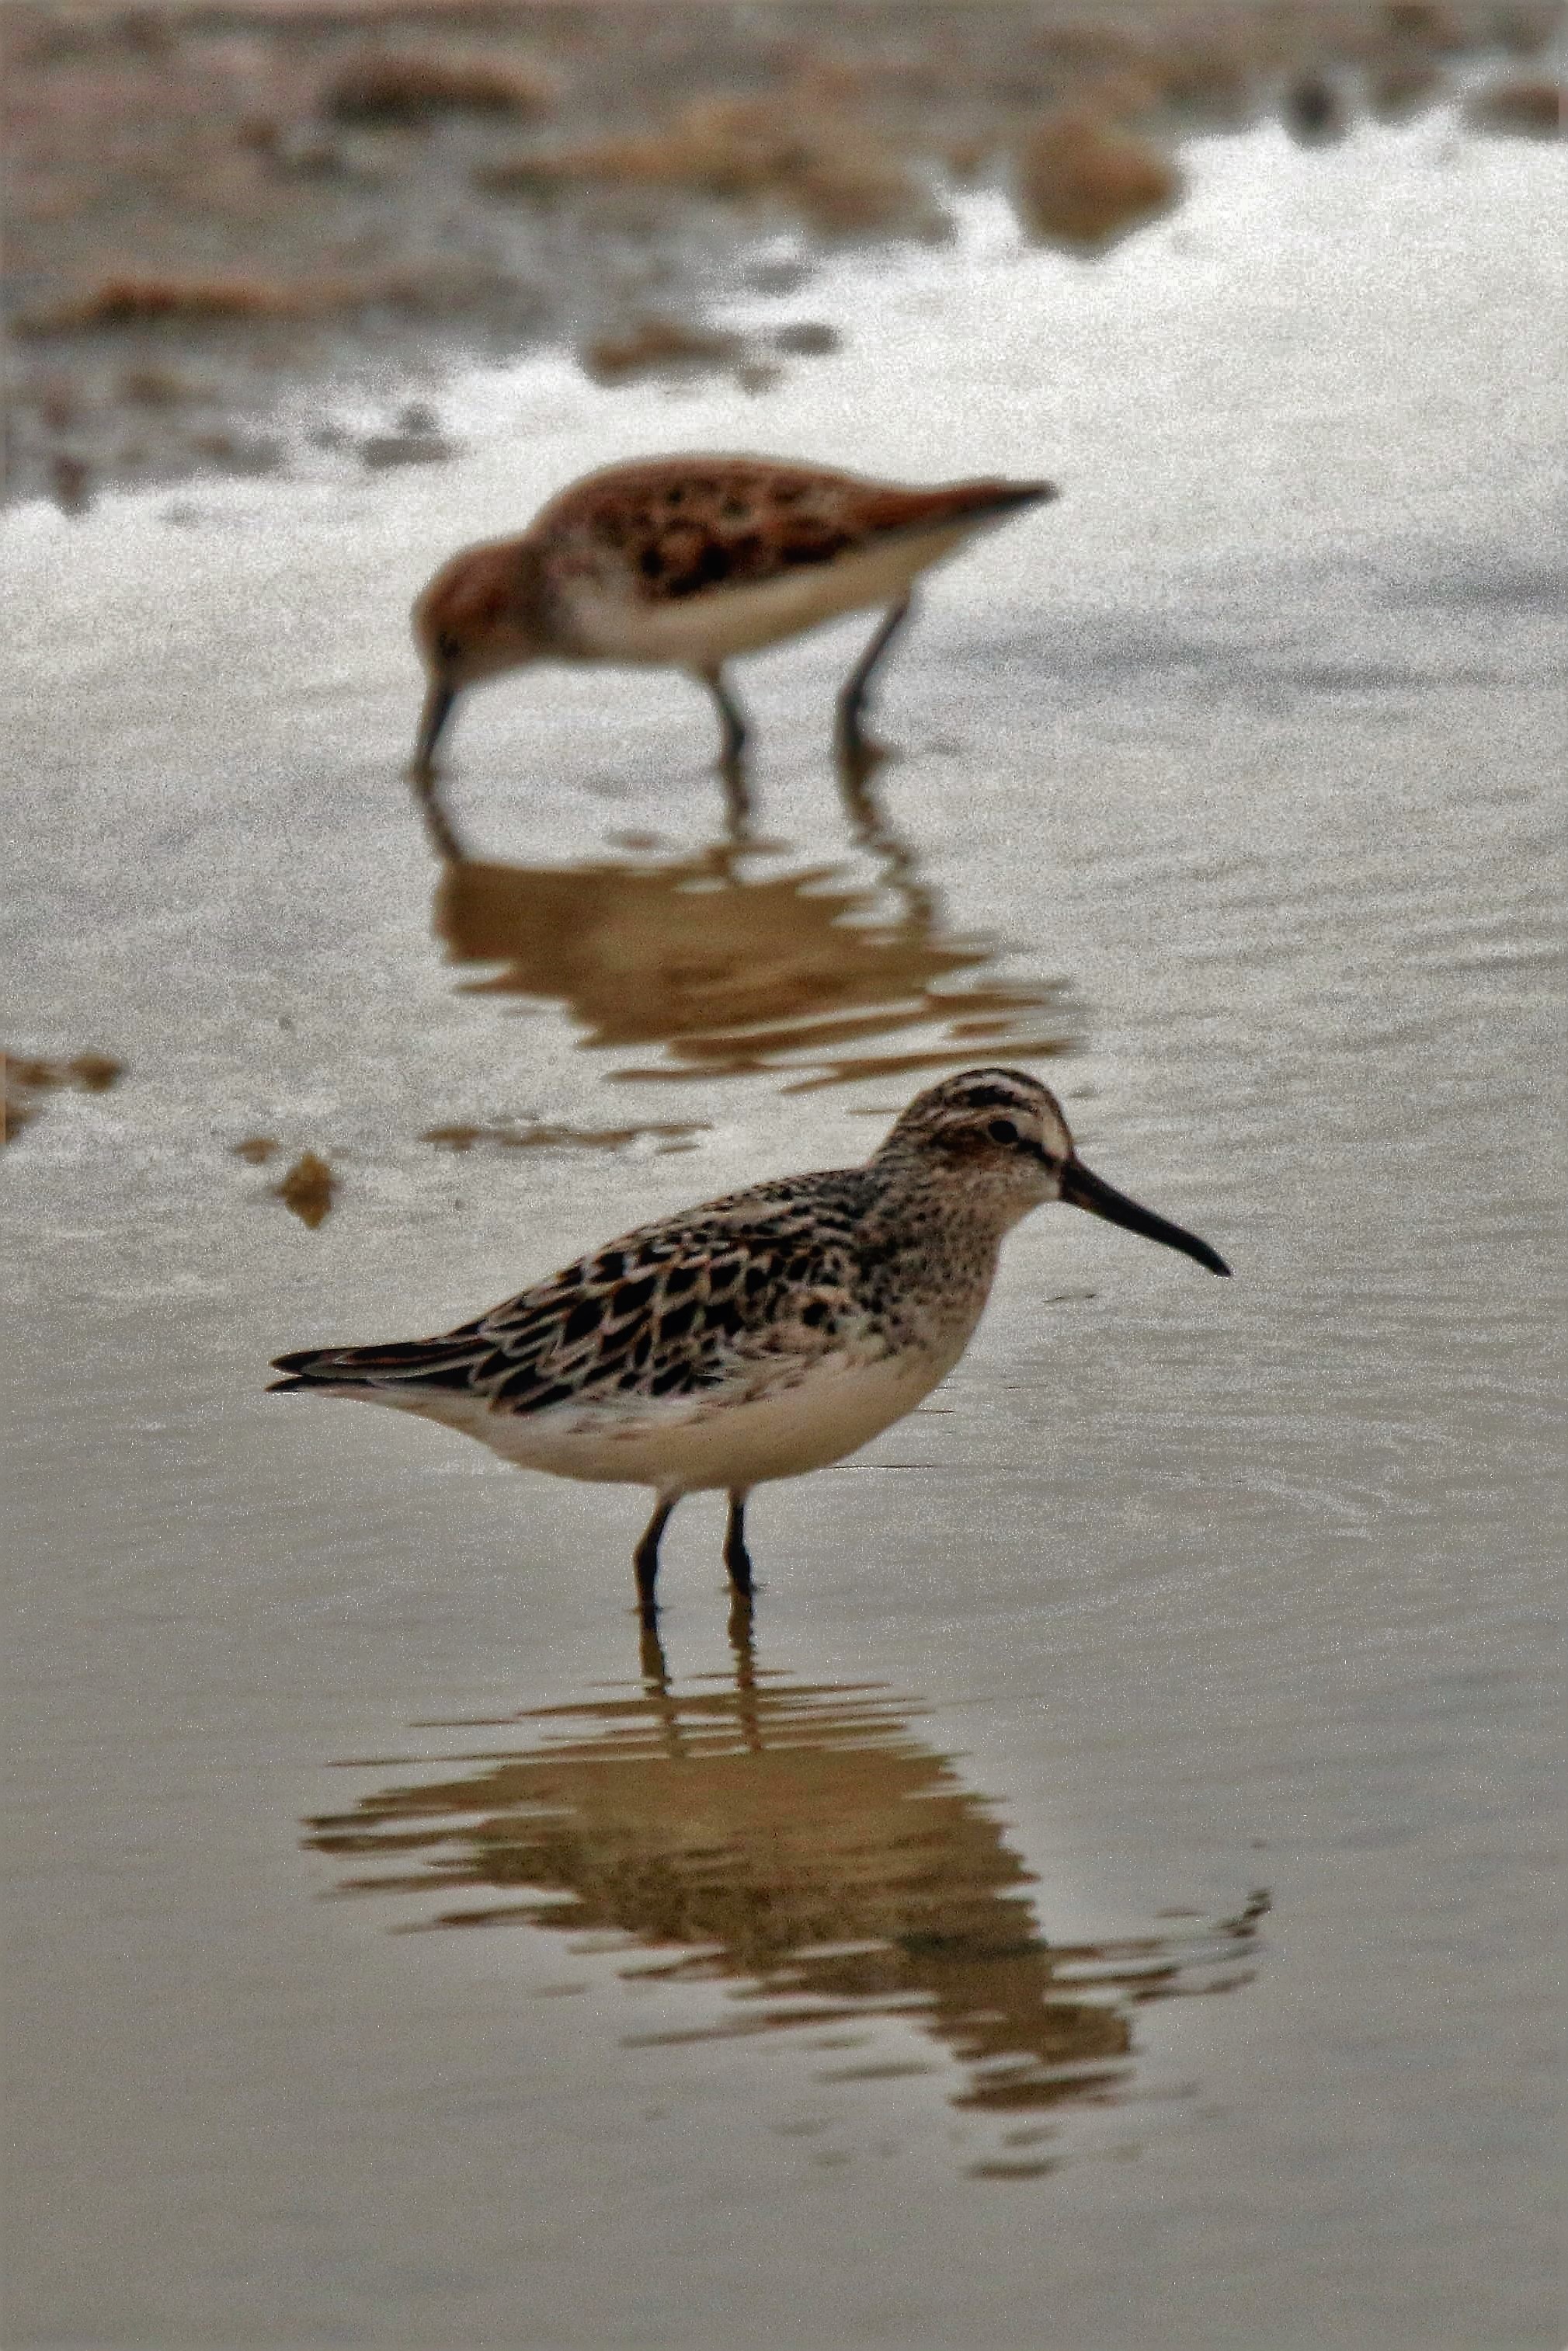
x=1083 y=1189
x=437 y=710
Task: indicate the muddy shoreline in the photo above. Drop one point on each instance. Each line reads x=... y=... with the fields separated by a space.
x=391 y=1932
x=233 y=227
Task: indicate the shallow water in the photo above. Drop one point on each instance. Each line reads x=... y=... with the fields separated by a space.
x=846 y=1983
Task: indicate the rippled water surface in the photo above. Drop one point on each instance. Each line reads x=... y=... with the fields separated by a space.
x=1104 y=1899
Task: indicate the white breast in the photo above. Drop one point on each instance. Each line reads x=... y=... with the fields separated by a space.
x=716 y=623
x=683 y=1445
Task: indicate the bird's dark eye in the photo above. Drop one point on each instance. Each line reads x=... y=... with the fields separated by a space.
x=1002 y=1130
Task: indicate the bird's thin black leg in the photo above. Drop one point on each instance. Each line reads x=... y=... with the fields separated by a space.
x=736 y=802
x=732 y=719
x=740 y=1633
x=442 y=834
x=655 y=1666
x=737 y=1558
x=852 y=697
x=645 y=1559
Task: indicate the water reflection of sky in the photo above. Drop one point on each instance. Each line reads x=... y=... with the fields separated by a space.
x=804 y=1847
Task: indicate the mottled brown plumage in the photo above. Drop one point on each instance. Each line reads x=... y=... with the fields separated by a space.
x=682 y=525
x=761 y=1334
x=690 y=561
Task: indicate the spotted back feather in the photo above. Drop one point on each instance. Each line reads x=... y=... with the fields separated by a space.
x=858 y=1262
x=682 y=525
x=672 y=1309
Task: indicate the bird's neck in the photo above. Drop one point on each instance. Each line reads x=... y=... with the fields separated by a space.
x=937 y=1246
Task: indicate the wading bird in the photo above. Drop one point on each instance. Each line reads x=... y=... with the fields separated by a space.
x=760 y=1335
x=687 y=562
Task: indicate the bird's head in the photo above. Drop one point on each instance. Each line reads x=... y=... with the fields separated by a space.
x=482 y=614
x=1003 y=1132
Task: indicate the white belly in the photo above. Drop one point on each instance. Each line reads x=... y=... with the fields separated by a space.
x=686 y=1448
x=717 y=623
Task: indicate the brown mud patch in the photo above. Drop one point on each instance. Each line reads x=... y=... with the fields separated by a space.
x=1527 y=108
x=187 y=301
x=659 y=347
x=416 y=439
x=1084 y=179
x=663 y=346
x=309 y=1189
x=412 y=90
x=209 y=205
x=835 y=170
x=24 y=1079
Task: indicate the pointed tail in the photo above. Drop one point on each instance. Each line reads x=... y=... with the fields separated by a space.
x=449 y=1362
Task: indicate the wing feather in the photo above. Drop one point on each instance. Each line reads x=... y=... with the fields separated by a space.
x=682 y=525
x=680 y=1309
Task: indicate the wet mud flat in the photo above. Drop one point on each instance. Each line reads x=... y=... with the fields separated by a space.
x=246 y=238
x=1104 y=1898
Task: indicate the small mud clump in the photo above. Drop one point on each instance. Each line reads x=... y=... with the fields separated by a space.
x=807 y=339
x=671 y=347
x=24 y=1078
x=416 y=439
x=659 y=347
x=183 y=301
x=94 y=1072
x=1314 y=109
x=255 y=1149
x=309 y=1189
x=835 y=169
x=1526 y=109
x=1084 y=181
x=409 y=90
x=1402 y=88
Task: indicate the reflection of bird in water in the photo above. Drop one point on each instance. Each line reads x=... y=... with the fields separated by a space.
x=801 y=1841
x=760 y=1335
x=735 y=967
x=687 y=563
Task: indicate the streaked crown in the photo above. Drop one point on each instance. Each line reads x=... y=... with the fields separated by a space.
x=998 y=1116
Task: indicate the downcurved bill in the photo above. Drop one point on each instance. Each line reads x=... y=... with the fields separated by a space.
x=437 y=710
x=1083 y=1189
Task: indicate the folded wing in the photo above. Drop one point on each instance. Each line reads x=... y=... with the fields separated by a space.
x=680 y=1309
x=684 y=525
